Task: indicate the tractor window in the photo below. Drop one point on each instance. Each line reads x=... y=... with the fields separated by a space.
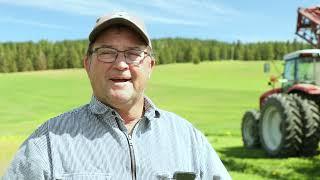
x=289 y=70
x=317 y=72
x=305 y=70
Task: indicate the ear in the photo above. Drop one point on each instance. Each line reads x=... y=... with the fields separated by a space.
x=152 y=65
x=86 y=63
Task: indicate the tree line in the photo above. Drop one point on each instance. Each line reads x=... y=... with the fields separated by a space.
x=43 y=55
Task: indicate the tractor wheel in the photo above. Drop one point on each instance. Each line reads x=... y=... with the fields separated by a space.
x=280 y=126
x=249 y=129
x=310 y=116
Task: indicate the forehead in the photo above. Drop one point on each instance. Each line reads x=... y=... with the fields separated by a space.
x=120 y=34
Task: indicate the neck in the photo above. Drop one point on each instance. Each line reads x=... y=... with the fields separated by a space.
x=132 y=112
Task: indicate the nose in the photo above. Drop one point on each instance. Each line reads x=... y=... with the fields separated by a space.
x=120 y=62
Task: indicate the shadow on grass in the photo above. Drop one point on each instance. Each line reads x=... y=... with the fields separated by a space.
x=241 y=152
x=312 y=170
x=249 y=168
x=234 y=159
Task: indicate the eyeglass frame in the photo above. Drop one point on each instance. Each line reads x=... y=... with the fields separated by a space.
x=146 y=54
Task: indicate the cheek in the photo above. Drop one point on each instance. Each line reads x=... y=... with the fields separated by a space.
x=140 y=72
x=99 y=73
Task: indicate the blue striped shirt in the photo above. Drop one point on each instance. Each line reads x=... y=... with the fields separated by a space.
x=91 y=142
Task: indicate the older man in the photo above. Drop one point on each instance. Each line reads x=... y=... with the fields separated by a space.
x=120 y=134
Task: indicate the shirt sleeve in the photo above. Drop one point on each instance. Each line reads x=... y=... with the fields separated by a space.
x=211 y=165
x=27 y=164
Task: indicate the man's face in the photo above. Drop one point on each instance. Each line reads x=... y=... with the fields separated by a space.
x=118 y=83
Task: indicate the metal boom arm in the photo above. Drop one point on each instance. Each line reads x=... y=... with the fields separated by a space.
x=308 y=25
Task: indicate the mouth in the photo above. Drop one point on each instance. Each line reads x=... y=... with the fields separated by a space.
x=120 y=80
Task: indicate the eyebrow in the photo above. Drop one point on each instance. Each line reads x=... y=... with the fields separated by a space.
x=137 y=47
x=104 y=45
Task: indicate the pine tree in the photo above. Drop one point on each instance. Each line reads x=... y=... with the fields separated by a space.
x=28 y=65
x=9 y=56
x=269 y=52
x=164 y=57
x=50 y=62
x=204 y=53
x=4 y=64
x=73 y=58
x=180 y=56
x=230 y=52
x=223 y=52
x=21 y=58
x=195 y=57
x=238 y=51
x=42 y=60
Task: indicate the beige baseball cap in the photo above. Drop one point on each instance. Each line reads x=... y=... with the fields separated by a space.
x=120 y=18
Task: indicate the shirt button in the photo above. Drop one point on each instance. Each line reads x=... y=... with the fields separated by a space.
x=113 y=113
x=116 y=118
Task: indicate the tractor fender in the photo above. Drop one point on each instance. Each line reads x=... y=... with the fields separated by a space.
x=268 y=93
x=306 y=88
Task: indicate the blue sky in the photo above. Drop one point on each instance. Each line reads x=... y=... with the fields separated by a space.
x=245 y=20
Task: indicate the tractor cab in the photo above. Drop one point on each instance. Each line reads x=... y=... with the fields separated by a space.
x=301 y=67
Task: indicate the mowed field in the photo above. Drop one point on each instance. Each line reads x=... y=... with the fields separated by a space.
x=212 y=95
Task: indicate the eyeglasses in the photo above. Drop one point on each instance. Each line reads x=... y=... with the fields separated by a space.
x=109 y=55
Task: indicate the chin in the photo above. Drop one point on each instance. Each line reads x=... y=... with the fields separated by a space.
x=121 y=97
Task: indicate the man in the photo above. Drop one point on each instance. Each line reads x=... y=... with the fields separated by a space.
x=120 y=134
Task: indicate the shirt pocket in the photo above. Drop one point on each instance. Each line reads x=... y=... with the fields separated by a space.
x=85 y=176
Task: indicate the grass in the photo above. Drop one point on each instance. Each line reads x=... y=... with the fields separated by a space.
x=212 y=95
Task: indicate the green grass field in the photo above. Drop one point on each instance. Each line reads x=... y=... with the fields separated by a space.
x=211 y=95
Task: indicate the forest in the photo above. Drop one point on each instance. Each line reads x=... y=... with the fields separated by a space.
x=44 y=54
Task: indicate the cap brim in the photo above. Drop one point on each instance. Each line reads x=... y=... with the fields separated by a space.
x=96 y=31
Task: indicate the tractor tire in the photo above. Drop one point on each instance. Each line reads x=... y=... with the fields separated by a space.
x=310 y=116
x=280 y=126
x=249 y=129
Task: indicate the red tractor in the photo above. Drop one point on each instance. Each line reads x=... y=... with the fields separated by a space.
x=288 y=122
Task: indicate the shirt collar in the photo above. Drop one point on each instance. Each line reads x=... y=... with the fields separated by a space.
x=151 y=111
x=97 y=107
